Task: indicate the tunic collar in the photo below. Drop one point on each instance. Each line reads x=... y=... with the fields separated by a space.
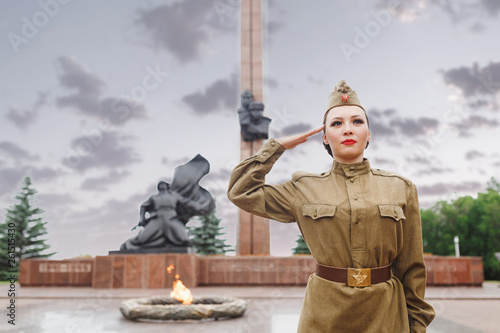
x=351 y=170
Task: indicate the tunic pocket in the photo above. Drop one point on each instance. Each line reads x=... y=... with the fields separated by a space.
x=318 y=211
x=393 y=211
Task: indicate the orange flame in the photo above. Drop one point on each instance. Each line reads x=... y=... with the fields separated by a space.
x=180 y=292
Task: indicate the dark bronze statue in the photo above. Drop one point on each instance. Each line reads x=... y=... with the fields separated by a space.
x=254 y=125
x=171 y=208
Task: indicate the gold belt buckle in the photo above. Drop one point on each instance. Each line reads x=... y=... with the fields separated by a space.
x=359 y=277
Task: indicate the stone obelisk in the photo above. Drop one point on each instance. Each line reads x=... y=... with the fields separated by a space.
x=253 y=231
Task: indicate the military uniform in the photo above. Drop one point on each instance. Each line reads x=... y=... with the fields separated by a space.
x=350 y=216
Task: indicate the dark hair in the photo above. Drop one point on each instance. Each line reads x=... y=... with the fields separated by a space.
x=162 y=182
x=327 y=147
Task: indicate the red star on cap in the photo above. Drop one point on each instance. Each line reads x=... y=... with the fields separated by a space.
x=344 y=98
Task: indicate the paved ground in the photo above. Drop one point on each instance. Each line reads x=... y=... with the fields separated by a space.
x=270 y=310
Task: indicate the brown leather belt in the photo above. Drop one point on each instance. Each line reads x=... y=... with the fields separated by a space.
x=354 y=277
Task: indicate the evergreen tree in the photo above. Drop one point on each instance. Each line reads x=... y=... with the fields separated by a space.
x=21 y=234
x=301 y=247
x=206 y=236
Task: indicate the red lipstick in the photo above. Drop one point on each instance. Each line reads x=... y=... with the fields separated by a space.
x=348 y=142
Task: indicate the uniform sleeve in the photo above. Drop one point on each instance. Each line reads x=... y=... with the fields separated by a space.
x=248 y=190
x=409 y=267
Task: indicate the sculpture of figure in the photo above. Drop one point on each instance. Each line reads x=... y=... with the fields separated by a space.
x=172 y=207
x=246 y=99
x=254 y=125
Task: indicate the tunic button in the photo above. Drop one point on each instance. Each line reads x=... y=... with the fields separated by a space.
x=357 y=221
x=352 y=180
x=273 y=144
x=264 y=154
x=351 y=168
x=355 y=198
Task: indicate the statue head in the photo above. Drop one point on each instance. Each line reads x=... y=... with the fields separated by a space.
x=256 y=111
x=163 y=186
x=246 y=98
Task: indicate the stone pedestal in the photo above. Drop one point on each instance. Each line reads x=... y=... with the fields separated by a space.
x=150 y=271
x=144 y=270
x=38 y=272
x=255 y=270
x=151 y=250
x=467 y=271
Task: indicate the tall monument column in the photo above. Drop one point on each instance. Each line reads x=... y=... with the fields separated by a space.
x=253 y=231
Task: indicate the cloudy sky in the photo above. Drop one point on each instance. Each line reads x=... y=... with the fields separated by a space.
x=101 y=99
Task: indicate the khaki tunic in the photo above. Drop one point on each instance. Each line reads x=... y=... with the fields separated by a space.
x=350 y=216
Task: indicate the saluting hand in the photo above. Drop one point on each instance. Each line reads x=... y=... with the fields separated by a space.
x=293 y=141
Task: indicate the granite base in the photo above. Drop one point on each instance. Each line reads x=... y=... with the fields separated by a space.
x=150 y=250
x=149 y=270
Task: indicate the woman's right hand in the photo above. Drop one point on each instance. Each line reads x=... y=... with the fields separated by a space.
x=293 y=141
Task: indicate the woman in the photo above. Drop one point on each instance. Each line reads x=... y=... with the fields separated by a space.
x=362 y=226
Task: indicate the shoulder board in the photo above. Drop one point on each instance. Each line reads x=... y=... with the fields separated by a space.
x=300 y=174
x=384 y=173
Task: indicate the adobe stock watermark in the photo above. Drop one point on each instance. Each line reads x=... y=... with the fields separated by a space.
x=446 y=296
x=363 y=37
x=86 y=312
x=119 y=111
x=257 y=316
x=32 y=25
x=452 y=117
x=227 y=11
x=281 y=117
